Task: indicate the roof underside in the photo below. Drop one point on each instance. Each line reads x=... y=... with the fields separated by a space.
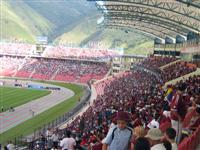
x=156 y=17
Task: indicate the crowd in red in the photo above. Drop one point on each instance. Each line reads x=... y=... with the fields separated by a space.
x=138 y=92
x=78 y=53
x=176 y=70
x=56 y=51
x=141 y=95
x=54 y=69
x=154 y=62
x=17 y=48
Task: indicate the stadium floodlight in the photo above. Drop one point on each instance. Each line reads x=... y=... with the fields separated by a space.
x=100 y=20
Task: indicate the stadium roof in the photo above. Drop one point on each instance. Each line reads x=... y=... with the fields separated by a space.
x=156 y=17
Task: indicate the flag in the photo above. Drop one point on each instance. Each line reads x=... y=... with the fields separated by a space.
x=169 y=94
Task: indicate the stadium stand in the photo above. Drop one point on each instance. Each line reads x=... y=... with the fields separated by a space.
x=141 y=95
x=140 y=92
x=78 y=53
x=57 y=69
x=17 y=48
x=56 y=51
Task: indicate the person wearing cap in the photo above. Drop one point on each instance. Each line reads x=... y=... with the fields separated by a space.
x=154 y=136
x=119 y=137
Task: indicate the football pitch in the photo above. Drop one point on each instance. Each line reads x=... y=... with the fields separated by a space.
x=13 y=97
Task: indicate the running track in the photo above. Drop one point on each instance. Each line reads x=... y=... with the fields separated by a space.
x=24 y=112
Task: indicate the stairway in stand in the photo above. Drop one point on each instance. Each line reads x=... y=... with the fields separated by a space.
x=54 y=74
x=31 y=74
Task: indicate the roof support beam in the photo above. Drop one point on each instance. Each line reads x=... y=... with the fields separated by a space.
x=174 y=6
x=142 y=11
x=157 y=34
x=142 y=25
x=153 y=22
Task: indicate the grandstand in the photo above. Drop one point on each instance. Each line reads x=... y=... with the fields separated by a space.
x=161 y=90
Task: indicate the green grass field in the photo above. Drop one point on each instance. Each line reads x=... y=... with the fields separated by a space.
x=40 y=120
x=13 y=97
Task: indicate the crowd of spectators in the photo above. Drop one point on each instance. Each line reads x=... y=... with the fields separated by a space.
x=170 y=72
x=58 y=69
x=196 y=63
x=57 y=51
x=154 y=62
x=141 y=95
x=17 y=48
x=78 y=53
x=9 y=65
x=176 y=70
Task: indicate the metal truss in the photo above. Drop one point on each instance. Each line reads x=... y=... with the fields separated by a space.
x=180 y=20
x=155 y=23
x=142 y=25
x=194 y=3
x=174 y=6
x=129 y=28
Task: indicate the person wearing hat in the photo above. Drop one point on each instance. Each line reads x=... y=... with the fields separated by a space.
x=154 y=136
x=119 y=137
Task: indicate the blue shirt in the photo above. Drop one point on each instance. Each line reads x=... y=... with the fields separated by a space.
x=121 y=139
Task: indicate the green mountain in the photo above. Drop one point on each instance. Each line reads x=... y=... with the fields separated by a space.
x=21 y=22
x=63 y=22
x=87 y=33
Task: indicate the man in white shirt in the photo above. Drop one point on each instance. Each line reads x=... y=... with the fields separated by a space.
x=68 y=143
x=154 y=123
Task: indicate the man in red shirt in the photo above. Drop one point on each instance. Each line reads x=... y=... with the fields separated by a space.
x=178 y=111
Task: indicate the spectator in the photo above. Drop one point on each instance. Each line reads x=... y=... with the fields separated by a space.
x=195 y=119
x=170 y=135
x=55 y=139
x=10 y=146
x=154 y=136
x=68 y=143
x=154 y=123
x=178 y=111
x=119 y=137
x=137 y=133
x=167 y=145
x=142 y=144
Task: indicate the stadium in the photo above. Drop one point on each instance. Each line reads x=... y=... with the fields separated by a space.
x=100 y=75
